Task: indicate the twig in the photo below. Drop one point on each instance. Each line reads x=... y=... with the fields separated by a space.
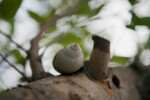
x=56 y=39
x=68 y=11
x=13 y=41
x=14 y=67
x=5 y=58
x=35 y=59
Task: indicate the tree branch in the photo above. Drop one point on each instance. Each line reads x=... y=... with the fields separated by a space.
x=14 y=67
x=56 y=39
x=35 y=59
x=13 y=41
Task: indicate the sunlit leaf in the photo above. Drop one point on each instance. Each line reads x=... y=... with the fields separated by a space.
x=120 y=60
x=84 y=10
x=8 y=9
x=69 y=38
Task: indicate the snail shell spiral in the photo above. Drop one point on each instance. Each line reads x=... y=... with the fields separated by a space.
x=69 y=60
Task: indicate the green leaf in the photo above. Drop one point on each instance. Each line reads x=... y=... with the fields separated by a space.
x=51 y=14
x=70 y=38
x=143 y=21
x=132 y=2
x=39 y=18
x=35 y=16
x=84 y=10
x=120 y=60
x=8 y=9
x=73 y=38
x=96 y=11
x=72 y=23
x=12 y=27
x=131 y=26
x=18 y=57
x=84 y=31
x=138 y=21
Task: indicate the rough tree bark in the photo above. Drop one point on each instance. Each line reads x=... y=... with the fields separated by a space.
x=122 y=83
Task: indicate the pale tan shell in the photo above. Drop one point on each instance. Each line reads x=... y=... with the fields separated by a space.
x=69 y=60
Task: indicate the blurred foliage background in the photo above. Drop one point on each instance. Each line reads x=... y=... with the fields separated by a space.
x=126 y=23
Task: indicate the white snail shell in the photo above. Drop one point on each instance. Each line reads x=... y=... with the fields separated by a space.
x=69 y=60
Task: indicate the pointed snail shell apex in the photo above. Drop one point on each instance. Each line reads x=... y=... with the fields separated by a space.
x=69 y=60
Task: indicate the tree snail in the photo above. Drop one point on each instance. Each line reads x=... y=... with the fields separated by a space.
x=69 y=60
